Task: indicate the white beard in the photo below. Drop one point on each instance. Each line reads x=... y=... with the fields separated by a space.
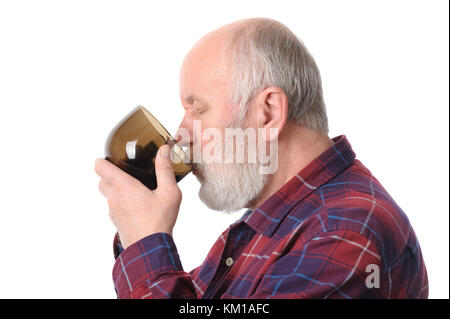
x=230 y=187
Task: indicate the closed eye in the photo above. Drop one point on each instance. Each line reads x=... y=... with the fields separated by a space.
x=199 y=109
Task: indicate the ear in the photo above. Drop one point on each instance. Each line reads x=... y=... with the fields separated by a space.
x=270 y=110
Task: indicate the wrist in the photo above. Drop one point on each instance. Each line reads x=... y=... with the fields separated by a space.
x=127 y=241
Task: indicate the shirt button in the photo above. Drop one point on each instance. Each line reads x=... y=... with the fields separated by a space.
x=229 y=261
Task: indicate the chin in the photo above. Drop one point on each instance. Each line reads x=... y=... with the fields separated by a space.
x=230 y=188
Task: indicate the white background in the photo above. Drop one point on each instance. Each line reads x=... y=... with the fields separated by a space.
x=69 y=70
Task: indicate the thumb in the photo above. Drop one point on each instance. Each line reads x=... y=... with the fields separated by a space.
x=165 y=175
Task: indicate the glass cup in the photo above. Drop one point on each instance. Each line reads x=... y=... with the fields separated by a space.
x=134 y=142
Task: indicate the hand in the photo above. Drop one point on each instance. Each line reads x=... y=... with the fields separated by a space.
x=135 y=210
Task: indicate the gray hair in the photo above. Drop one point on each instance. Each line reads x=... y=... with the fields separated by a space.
x=265 y=53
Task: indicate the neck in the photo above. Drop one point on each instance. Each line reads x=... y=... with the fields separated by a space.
x=297 y=147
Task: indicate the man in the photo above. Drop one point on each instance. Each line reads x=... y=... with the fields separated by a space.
x=320 y=226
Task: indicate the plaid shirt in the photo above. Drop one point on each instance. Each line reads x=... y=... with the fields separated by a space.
x=332 y=231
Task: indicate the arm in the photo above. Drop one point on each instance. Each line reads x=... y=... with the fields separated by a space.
x=151 y=268
x=147 y=263
x=332 y=265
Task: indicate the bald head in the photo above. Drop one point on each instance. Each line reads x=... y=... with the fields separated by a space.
x=208 y=57
x=208 y=63
x=247 y=56
x=213 y=48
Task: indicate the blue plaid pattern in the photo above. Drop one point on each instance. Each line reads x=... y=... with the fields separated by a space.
x=324 y=234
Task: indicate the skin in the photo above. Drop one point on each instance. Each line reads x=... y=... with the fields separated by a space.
x=137 y=211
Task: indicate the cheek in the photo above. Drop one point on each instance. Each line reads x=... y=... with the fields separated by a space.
x=216 y=119
x=212 y=136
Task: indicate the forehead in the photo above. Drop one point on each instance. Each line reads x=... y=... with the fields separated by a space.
x=204 y=66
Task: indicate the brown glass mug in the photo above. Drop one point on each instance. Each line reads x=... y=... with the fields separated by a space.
x=134 y=142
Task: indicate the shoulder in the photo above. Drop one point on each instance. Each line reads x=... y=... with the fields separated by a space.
x=355 y=202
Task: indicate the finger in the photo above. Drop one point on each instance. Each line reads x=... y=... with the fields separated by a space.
x=165 y=175
x=108 y=171
x=104 y=188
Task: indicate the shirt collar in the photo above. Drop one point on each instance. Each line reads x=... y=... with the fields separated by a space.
x=266 y=218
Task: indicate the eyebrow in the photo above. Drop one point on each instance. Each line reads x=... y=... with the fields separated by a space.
x=193 y=98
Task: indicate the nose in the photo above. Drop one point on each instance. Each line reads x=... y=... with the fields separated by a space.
x=184 y=135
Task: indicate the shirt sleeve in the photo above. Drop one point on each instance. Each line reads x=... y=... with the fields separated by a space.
x=337 y=264
x=331 y=265
x=151 y=268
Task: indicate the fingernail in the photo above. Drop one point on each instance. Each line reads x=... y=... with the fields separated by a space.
x=165 y=153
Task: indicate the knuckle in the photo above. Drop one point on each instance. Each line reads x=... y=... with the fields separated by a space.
x=111 y=205
x=173 y=192
x=102 y=187
x=98 y=166
x=116 y=182
x=120 y=187
x=112 y=179
x=112 y=216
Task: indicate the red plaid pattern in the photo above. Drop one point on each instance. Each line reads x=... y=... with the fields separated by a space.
x=332 y=231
